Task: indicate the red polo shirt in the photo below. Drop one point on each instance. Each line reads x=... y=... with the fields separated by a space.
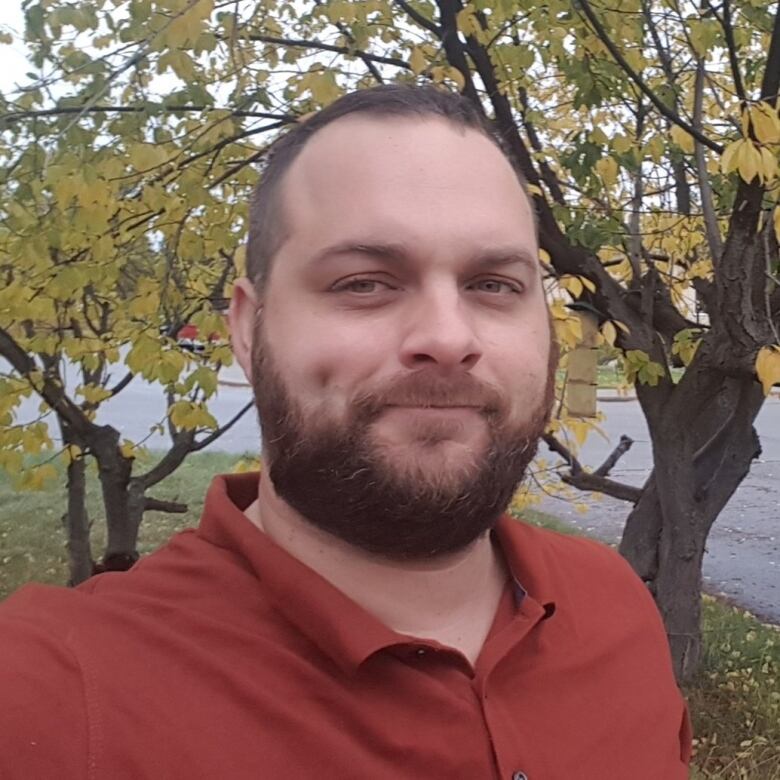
x=221 y=656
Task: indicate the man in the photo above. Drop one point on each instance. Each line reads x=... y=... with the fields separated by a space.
x=363 y=610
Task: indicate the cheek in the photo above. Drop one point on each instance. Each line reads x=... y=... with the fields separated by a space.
x=320 y=357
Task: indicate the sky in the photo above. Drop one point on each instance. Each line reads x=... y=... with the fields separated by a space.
x=13 y=65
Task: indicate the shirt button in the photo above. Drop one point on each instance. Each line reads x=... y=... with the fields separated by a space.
x=519 y=776
x=420 y=651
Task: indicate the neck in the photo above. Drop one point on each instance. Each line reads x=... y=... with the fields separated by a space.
x=451 y=599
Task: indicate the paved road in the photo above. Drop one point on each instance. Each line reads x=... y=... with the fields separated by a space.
x=743 y=551
x=743 y=555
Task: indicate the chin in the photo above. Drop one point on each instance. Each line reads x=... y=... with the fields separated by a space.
x=444 y=465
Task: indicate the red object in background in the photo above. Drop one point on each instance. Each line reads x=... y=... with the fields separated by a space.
x=189 y=331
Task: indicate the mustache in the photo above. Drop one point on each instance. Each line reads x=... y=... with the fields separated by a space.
x=428 y=390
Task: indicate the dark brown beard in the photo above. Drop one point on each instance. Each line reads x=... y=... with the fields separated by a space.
x=331 y=473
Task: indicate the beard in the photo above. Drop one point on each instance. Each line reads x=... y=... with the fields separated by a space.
x=342 y=478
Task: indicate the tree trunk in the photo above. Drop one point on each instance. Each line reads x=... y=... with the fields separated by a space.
x=122 y=521
x=703 y=444
x=77 y=524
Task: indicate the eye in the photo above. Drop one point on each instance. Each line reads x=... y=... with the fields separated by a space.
x=361 y=286
x=497 y=286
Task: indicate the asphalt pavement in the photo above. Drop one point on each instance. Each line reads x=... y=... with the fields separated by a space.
x=742 y=560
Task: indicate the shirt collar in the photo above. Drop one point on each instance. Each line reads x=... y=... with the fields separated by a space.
x=342 y=629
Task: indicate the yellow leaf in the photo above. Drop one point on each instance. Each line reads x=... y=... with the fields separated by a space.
x=609 y=332
x=579 y=428
x=571 y=284
x=544 y=255
x=532 y=189
x=622 y=144
x=622 y=326
x=587 y=284
x=144 y=157
x=417 y=61
x=467 y=22
x=768 y=367
x=768 y=164
x=127 y=448
x=777 y=222
x=655 y=148
x=766 y=123
x=607 y=168
x=682 y=139
x=728 y=160
x=457 y=77
x=749 y=161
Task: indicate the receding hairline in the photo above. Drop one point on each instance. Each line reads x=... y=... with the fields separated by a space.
x=376 y=117
x=268 y=231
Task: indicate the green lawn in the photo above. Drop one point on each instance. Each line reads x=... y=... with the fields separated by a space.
x=735 y=702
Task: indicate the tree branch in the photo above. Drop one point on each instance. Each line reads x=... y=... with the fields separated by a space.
x=372 y=68
x=212 y=437
x=51 y=392
x=17 y=116
x=448 y=10
x=624 y=445
x=711 y=228
x=770 y=86
x=348 y=51
x=548 y=175
x=122 y=383
x=160 y=505
x=427 y=24
x=561 y=449
x=595 y=484
x=731 y=47
x=597 y=481
x=636 y=78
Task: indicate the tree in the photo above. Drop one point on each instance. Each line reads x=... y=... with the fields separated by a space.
x=649 y=135
x=82 y=291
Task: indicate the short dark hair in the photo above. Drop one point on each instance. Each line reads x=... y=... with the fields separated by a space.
x=266 y=223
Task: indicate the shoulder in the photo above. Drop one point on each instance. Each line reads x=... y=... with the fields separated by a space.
x=43 y=724
x=576 y=571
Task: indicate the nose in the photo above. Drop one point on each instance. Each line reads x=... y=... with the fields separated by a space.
x=440 y=333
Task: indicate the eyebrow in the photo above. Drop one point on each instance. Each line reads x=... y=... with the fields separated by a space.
x=400 y=254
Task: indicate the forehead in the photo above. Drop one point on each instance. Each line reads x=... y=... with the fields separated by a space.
x=404 y=179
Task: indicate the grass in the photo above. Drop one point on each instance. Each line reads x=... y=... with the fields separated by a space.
x=734 y=702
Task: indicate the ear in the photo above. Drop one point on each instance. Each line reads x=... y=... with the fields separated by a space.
x=241 y=319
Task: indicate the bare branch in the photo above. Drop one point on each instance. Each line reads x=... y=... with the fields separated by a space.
x=597 y=481
x=561 y=449
x=624 y=445
x=160 y=505
x=122 y=383
x=595 y=484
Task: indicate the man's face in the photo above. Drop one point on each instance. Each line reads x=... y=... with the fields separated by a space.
x=403 y=351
